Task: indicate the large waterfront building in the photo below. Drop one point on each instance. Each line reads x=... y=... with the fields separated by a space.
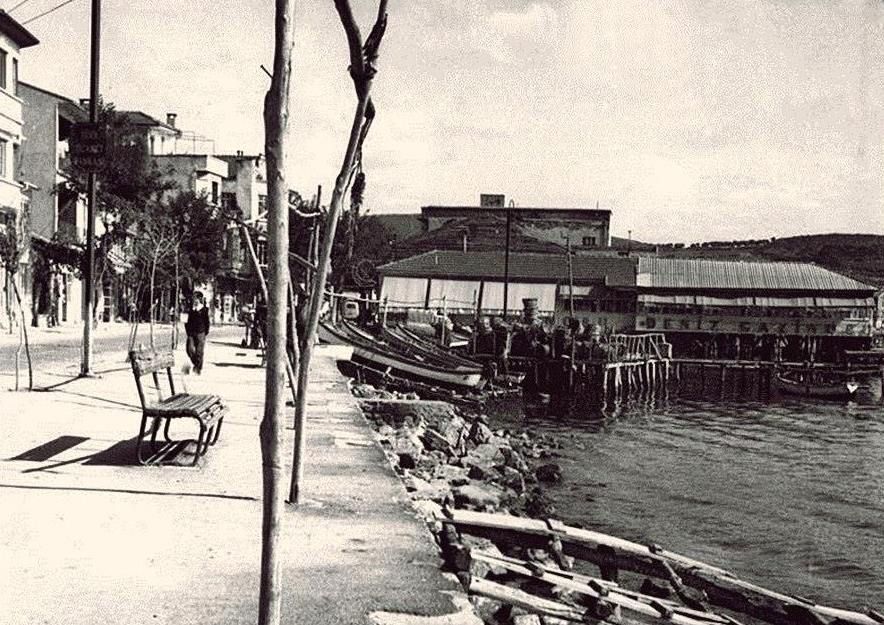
x=706 y=308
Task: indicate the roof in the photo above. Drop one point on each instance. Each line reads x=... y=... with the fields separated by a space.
x=67 y=106
x=613 y=271
x=694 y=273
x=15 y=31
x=57 y=96
x=137 y=118
x=584 y=212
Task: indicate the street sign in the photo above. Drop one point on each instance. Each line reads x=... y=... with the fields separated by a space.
x=87 y=145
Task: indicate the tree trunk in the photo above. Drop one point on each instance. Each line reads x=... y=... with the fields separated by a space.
x=151 y=307
x=24 y=329
x=276 y=118
x=362 y=71
x=176 y=312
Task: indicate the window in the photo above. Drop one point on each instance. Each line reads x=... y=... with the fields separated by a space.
x=15 y=76
x=589 y=241
x=214 y=192
x=3 y=57
x=3 y=146
x=261 y=253
x=262 y=203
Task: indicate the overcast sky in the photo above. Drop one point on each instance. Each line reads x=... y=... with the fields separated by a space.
x=690 y=119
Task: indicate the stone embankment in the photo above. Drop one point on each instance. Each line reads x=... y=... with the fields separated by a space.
x=448 y=458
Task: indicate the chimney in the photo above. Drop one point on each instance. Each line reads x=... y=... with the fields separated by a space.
x=84 y=103
x=239 y=153
x=170 y=119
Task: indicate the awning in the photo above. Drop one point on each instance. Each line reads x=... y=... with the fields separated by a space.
x=545 y=294
x=457 y=294
x=404 y=292
x=758 y=302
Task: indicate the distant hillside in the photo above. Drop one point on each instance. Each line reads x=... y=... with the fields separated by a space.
x=860 y=256
x=401 y=226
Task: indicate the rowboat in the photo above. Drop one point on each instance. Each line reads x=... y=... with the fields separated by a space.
x=810 y=386
x=382 y=355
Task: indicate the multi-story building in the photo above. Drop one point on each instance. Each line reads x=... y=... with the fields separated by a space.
x=57 y=215
x=585 y=228
x=13 y=199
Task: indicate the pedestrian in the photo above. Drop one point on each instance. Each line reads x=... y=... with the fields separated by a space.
x=197 y=327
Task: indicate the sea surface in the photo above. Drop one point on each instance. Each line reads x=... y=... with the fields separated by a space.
x=785 y=493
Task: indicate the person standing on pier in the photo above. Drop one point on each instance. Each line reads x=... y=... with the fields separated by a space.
x=197 y=328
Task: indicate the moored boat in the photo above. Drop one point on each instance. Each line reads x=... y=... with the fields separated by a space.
x=805 y=385
x=384 y=356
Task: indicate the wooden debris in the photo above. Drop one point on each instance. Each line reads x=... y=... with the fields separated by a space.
x=722 y=587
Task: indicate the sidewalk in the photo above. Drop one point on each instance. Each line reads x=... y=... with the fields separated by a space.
x=88 y=537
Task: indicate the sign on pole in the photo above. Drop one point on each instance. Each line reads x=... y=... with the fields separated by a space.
x=88 y=145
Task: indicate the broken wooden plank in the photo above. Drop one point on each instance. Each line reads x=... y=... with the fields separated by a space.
x=721 y=587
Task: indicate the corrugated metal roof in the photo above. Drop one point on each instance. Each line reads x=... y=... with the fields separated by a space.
x=694 y=273
x=612 y=270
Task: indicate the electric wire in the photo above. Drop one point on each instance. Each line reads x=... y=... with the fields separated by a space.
x=18 y=5
x=44 y=13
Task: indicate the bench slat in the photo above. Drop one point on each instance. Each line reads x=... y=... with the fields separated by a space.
x=147 y=361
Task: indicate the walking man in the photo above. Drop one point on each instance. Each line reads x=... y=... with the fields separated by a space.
x=197 y=327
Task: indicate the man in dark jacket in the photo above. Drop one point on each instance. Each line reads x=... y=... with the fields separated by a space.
x=197 y=327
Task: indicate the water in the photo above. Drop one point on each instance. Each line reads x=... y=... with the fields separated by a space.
x=789 y=494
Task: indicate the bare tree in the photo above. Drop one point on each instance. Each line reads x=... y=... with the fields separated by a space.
x=363 y=68
x=276 y=120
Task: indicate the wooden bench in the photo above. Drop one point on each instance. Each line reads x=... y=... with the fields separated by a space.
x=207 y=410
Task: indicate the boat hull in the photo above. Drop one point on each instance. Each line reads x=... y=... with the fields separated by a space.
x=374 y=355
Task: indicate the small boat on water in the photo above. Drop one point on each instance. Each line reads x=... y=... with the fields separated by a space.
x=382 y=355
x=808 y=384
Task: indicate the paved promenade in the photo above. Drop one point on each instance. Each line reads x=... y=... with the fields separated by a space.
x=86 y=536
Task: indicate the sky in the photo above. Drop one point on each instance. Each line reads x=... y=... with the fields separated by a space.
x=691 y=120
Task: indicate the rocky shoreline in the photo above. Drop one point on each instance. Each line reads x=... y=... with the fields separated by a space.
x=450 y=458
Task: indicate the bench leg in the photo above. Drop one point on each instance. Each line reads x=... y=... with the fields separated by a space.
x=216 y=431
x=166 y=431
x=141 y=434
x=202 y=443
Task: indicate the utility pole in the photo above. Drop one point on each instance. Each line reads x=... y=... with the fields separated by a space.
x=506 y=260
x=88 y=305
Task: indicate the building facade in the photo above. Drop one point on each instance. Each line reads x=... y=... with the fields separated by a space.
x=57 y=215
x=585 y=228
x=14 y=206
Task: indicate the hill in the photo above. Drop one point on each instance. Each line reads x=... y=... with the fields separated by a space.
x=860 y=256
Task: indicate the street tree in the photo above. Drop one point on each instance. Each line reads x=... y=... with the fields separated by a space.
x=363 y=68
x=13 y=243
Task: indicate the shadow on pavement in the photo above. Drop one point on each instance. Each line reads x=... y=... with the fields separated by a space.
x=131 y=492
x=44 y=452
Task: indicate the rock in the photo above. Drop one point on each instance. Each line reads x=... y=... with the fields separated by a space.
x=549 y=473
x=526 y=619
x=408 y=449
x=428 y=509
x=456 y=476
x=435 y=441
x=487 y=454
x=476 y=472
x=434 y=490
x=406 y=460
x=489 y=610
x=514 y=459
x=480 y=433
x=430 y=461
x=477 y=497
x=510 y=477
